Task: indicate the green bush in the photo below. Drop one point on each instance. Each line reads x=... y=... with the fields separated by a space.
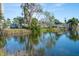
x=35 y=27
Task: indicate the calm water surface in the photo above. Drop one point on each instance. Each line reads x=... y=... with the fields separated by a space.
x=49 y=44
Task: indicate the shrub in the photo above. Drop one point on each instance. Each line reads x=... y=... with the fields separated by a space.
x=35 y=27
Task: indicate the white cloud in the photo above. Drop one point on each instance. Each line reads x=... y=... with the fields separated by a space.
x=59 y=4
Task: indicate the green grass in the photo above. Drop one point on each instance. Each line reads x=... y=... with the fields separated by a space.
x=51 y=30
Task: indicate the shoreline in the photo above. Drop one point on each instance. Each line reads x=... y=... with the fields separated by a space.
x=20 y=32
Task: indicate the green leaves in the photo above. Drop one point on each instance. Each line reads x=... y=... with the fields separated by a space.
x=19 y=21
x=29 y=9
x=35 y=27
x=73 y=22
x=1 y=17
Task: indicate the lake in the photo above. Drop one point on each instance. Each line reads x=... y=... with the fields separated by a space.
x=48 y=44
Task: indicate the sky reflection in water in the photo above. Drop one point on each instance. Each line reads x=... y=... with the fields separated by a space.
x=50 y=44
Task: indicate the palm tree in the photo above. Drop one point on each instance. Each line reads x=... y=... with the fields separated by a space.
x=73 y=22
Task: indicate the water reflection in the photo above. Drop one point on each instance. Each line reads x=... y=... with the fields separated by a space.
x=2 y=41
x=2 y=44
x=47 y=43
x=21 y=39
x=13 y=46
x=73 y=35
x=34 y=38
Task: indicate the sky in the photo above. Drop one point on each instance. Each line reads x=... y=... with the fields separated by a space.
x=59 y=10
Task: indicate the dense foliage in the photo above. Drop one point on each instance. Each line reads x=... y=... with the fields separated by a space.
x=35 y=27
x=73 y=22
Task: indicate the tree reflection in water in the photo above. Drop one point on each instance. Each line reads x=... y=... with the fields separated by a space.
x=46 y=40
x=21 y=39
x=32 y=41
x=73 y=35
x=53 y=37
x=2 y=44
x=2 y=41
x=51 y=40
x=33 y=44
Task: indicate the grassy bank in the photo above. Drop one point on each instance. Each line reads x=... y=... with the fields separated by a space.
x=52 y=30
x=16 y=32
x=27 y=31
